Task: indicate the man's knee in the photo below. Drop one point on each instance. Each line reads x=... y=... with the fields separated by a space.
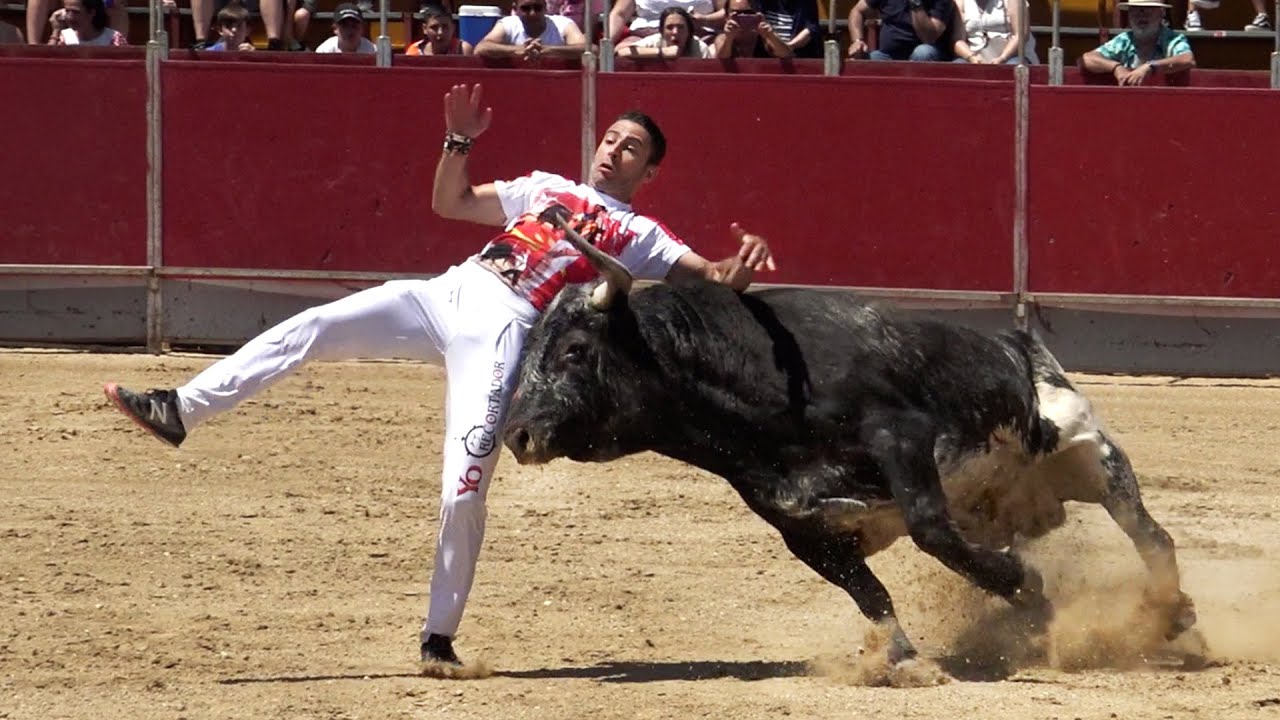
x=926 y=53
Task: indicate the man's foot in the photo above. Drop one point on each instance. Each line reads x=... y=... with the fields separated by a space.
x=439 y=649
x=1260 y=22
x=155 y=411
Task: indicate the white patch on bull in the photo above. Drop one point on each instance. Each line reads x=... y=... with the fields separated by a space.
x=1001 y=494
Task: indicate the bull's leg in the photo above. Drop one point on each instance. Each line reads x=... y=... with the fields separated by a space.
x=1123 y=501
x=902 y=445
x=839 y=560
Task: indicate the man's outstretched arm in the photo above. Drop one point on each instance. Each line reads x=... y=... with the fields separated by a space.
x=736 y=271
x=452 y=195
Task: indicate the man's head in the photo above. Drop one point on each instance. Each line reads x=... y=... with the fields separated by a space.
x=233 y=25
x=533 y=15
x=437 y=27
x=628 y=155
x=348 y=25
x=1145 y=17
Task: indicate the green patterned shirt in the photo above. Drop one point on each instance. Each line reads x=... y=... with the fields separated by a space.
x=1121 y=48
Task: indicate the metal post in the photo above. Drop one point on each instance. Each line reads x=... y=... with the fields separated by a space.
x=1022 y=126
x=588 y=112
x=384 y=41
x=831 y=58
x=606 y=42
x=157 y=50
x=1055 y=52
x=1275 y=54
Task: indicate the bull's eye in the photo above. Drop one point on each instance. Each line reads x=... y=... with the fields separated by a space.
x=575 y=354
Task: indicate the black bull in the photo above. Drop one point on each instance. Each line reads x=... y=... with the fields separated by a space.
x=844 y=426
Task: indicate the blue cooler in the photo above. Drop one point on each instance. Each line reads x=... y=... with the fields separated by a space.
x=475 y=21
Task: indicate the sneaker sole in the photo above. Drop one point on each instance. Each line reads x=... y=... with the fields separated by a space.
x=112 y=391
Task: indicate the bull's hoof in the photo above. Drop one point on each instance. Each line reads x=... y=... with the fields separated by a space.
x=1181 y=616
x=915 y=673
x=1194 y=650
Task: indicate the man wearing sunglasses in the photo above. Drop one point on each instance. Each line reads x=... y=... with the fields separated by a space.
x=472 y=320
x=529 y=34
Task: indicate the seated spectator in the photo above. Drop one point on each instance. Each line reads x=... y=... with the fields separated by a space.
x=438 y=35
x=1147 y=47
x=272 y=12
x=795 y=22
x=676 y=39
x=988 y=32
x=1260 y=19
x=531 y=34
x=633 y=20
x=10 y=34
x=37 y=10
x=84 y=22
x=746 y=34
x=233 y=29
x=917 y=30
x=348 y=32
x=575 y=10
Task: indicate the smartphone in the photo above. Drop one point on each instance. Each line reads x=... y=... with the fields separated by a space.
x=748 y=21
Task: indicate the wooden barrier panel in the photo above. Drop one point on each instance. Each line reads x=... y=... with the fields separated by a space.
x=330 y=168
x=899 y=183
x=1149 y=191
x=74 y=143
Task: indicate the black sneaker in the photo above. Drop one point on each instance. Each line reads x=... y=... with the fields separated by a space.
x=155 y=411
x=275 y=44
x=439 y=648
x=201 y=45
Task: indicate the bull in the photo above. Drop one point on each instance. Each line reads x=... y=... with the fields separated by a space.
x=844 y=425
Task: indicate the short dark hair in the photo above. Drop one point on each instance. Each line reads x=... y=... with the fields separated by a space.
x=431 y=10
x=233 y=14
x=657 y=141
x=97 y=10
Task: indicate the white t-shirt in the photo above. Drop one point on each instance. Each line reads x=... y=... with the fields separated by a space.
x=331 y=46
x=648 y=11
x=106 y=39
x=988 y=29
x=533 y=257
x=557 y=25
x=697 y=48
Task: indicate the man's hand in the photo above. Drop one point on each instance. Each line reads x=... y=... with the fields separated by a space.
x=462 y=113
x=532 y=50
x=858 y=49
x=738 y=270
x=1136 y=76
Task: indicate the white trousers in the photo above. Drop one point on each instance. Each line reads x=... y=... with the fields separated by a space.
x=469 y=321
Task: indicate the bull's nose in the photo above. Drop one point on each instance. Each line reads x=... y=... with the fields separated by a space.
x=518 y=442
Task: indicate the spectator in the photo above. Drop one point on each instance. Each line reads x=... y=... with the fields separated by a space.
x=795 y=22
x=272 y=12
x=84 y=22
x=675 y=40
x=233 y=29
x=348 y=32
x=10 y=34
x=298 y=14
x=917 y=30
x=575 y=10
x=37 y=10
x=438 y=35
x=633 y=20
x=531 y=33
x=746 y=34
x=989 y=32
x=1147 y=47
x=1260 y=19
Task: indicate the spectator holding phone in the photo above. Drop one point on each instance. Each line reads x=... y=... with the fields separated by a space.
x=746 y=34
x=795 y=22
x=916 y=30
x=84 y=22
x=676 y=39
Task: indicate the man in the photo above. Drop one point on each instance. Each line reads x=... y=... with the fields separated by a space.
x=1147 y=47
x=531 y=34
x=348 y=32
x=917 y=30
x=472 y=319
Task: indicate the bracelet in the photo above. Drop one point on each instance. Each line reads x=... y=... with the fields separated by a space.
x=457 y=143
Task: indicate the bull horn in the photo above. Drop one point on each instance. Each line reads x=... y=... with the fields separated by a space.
x=617 y=279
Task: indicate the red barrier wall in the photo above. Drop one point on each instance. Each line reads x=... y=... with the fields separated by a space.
x=73 y=139
x=1149 y=191
x=871 y=182
x=330 y=168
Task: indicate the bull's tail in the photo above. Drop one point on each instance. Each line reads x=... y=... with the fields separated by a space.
x=1042 y=369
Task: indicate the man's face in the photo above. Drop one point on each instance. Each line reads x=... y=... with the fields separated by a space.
x=1145 y=21
x=621 y=163
x=533 y=15
x=349 y=30
x=438 y=31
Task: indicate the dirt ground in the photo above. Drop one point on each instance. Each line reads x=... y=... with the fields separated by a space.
x=276 y=567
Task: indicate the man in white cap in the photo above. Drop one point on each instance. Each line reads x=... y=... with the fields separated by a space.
x=1147 y=47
